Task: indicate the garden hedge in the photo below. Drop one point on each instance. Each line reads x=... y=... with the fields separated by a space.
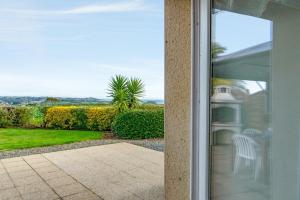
x=100 y=118
x=3 y=118
x=37 y=116
x=18 y=116
x=59 y=118
x=22 y=116
x=146 y=122
x=74 y=117
x=139 y=124
x=150 y=107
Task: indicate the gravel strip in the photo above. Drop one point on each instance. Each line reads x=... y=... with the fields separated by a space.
x=158 y=145
x=155 y=144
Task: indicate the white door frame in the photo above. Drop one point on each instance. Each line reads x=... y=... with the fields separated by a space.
x=201 y=61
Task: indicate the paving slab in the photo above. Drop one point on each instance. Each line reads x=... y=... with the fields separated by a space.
x=121 y=175
x=82 y=195
x=71 y=189
x=10 y=193
x=119 y=171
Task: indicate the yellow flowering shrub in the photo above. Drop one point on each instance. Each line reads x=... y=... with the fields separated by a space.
x=76 y=117
x=60 y=117
x=100 y=118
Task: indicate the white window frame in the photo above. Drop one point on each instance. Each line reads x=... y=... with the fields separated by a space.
x=201 y=61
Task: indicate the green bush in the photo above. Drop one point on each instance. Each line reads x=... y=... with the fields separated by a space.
x=18 y=116
x=139 y=124
x=37 y=117
x=79 y=118
x=150 y=107
x=21 y=116
x=100 y=118
x=44 y=109
x=3 y=118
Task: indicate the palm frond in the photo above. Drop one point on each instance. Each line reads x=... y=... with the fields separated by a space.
x=217 y=49
x=136 y=90
x=117 y=90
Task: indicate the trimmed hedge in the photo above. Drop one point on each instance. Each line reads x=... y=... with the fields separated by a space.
x=139 y=124
x=150 y=107
x=59 y=118
x=145 y=122
x=22 y=116
x=74 y=117
x=3 y=118
x=100 y=118
x=79 y=117
x=16 y=116
x=66 y=117
x=37 y=117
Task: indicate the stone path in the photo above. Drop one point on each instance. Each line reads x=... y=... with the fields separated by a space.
x=111 y=172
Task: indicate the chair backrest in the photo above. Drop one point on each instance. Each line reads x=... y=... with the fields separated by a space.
x=251 y=131
x=245 y=146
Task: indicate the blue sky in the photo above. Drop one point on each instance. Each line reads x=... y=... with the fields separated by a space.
x=72 y=48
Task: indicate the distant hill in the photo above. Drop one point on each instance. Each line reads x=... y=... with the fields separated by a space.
x=28 y=100
x=43 y=100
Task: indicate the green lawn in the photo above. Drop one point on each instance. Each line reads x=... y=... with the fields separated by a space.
x=15 y=138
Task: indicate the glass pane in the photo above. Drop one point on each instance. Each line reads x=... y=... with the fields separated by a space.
x=255 y=100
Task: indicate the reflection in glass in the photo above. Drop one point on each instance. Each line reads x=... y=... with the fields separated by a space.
x=255 y=123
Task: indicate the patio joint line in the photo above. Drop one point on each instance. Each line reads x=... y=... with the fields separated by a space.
x=20 y=195
x=43 y=180
x=73 y=178
x=129 y=142
x=125 y=172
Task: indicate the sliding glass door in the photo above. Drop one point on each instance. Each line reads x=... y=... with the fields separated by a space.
x=255 y=100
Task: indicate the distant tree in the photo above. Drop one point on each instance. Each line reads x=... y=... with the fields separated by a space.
x=52 y=99
x=151 y=102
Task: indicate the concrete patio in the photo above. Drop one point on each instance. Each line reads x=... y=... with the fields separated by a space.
x=110 y=172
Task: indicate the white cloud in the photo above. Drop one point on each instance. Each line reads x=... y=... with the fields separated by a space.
x=122 y=6
x=126 y=6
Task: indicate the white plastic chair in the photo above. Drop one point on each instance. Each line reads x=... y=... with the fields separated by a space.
x=247 y=149
x=251 y=132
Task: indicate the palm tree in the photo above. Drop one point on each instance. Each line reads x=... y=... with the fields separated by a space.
x=217 y=49
x=135 y=89
x=118 y=92
x=125 y=93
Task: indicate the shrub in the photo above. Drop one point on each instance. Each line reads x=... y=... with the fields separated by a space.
x=44 y=109
x=139 y=124
x=150 y=107
x=79 y=118
x=74 y=117
x=59 y=118
x=100 y=118
x=37 y=116
x=19 y=116
x=10 y=115
x=3 y=118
